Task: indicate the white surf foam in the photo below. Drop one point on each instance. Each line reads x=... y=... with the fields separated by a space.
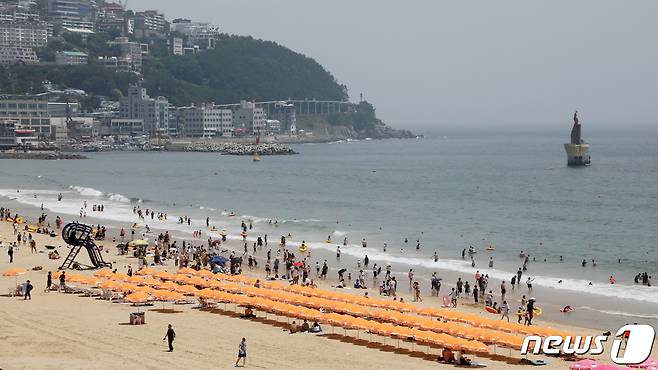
x=89 y=192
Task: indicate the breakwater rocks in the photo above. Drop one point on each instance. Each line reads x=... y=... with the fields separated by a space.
x=240 y=149
x=38 y=155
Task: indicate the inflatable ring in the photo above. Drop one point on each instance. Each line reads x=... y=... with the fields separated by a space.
x=244 y=234
x=303 y=248
x=537 y=311
x=19 y=220
x=490 y=309
x=231 y=214
x=520 y=313
x=213 y=229
x=491 y=248
x=328 y=241
x=32 y=229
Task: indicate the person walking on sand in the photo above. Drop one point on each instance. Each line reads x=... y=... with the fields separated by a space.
x=10 y=252
x=242 y=353
x=169 y=336
x=28 y=290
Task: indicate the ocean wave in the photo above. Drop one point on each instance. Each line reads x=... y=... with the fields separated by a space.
x=301 y=220
x=619 y=313
x=89 y=192
x=118 y=198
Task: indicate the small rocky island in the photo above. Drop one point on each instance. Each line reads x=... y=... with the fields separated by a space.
x=240 y=148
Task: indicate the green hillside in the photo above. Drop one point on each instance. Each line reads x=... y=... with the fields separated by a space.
x=241 y=68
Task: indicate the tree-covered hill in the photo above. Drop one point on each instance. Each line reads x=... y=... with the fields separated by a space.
x=241 y=68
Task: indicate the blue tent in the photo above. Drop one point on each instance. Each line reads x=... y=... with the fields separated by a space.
x=219 y=260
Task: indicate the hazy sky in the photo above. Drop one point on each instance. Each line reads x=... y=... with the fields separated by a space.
x=438 y=63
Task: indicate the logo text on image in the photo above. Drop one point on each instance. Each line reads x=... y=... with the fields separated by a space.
x=639 y=342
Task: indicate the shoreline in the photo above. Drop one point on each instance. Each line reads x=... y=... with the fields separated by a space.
x=158 y=320
x=592 y=309
x=549 y=298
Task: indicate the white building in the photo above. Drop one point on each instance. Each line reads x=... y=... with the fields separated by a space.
x=71 y=58
x=204 y=35
x=28 y=112
x=205 y=121
x=154 y=112
x=57 y=109
x=123 y=127
x=13 y=55
x=15 y=12
x=250 y=117
x=273 y=126
x=177 y=46
x=149 y=23
x=74 y=14
x=24 y=34
x=118 y=64
x=134 y=51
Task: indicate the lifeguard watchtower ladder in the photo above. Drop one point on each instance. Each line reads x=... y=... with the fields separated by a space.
x=79 y=236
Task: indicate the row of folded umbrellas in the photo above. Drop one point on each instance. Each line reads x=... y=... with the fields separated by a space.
x=158 y=291
x=151 y=280
x=158 y=288
x=442 y=313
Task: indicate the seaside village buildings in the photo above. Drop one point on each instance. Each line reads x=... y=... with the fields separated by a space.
x=34 y=120
x=55 y=117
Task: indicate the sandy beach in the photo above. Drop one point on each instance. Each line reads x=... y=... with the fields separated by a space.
x=57 y=330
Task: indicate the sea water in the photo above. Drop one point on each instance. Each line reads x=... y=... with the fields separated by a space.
x=446 y=192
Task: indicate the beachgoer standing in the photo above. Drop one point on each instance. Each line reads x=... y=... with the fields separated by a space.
x=504 y=309
x=10 y=252
x=49 y=281
x=62 y=281
x=530 y=311
x=169 y=336
x=28 y=290
x=242 y=352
